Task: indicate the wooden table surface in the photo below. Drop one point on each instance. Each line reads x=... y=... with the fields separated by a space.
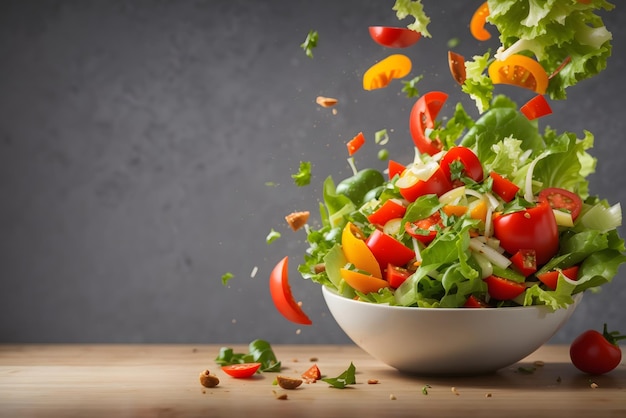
x=162 y=381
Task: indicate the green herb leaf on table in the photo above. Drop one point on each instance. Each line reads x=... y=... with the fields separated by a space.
x=344 y=379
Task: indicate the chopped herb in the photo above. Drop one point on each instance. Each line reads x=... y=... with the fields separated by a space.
x=344 y=379
x=526 y=370
x=272 y=236
x=309 y=43
x=410 y=87
x=303 y=176
x=226 y=277
x=271 y=184
x=425 y=389
x=453 y=42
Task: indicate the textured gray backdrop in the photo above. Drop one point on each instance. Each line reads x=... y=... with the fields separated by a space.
x=137 y=138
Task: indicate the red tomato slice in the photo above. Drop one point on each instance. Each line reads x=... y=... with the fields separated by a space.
x=562 y=199
x=503 y=187
x=388 y=250
x=472 y=166
x=525 y=261
x=536 y=107
x=242 y=370
x=534 y=228
x=396 y=275
x=424 y=230
x=391 y=209
x=392 y=37
x=503 y=289
x=475 y=302
x=423 y=115
x=551 y=278
x=282 y=297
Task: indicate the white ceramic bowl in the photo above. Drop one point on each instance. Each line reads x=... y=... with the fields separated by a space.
x=446 y=341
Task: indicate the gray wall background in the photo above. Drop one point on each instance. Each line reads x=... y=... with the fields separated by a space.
x=137 y=137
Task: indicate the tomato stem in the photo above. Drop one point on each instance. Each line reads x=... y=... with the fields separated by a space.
x=613 y=337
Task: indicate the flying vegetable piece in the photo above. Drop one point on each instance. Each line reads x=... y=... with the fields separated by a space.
x=392 y=37
x=310 y=42
x=477 y=24
x=380 y=74
x=282 y=296
x=519 y=70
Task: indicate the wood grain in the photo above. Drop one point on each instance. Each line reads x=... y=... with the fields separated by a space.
x=162 y=381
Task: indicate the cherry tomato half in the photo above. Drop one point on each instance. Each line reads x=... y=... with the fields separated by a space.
x=503 y=289
x=242 y=370
x=472 y=167
x=423 y=115
x=519 y=70
x=596 y=353
x=534 y=228
x=392 y=37
x=475 y=302
x=312 y=373
x=282 y=297
x=562 y=199
x=380 y=74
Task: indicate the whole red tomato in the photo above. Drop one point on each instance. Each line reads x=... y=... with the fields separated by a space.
x=596 y=353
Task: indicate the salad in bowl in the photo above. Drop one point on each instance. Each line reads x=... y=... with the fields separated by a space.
x=488 y=212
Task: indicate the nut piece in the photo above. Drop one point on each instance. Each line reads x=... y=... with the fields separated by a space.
x=288 y=382
x=326 y=101
x=372 y=381
x=208 y=380
x=297 y=220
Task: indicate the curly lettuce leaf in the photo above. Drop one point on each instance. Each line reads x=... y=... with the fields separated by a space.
x=555 y=32
x=415 y=9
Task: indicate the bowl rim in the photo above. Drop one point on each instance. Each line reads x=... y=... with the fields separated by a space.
x=331 y=293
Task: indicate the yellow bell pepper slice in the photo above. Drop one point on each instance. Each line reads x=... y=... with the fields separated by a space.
x=364 y=283
x=519 y=70
x=380 y=74
x=357 y=252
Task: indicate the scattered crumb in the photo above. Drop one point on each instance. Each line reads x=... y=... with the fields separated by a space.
x=326 y=101
x=298 y=331
x=297 y=220
x=392 y=397
x=254 y=271
x=372 y=381
x=488 y=395
x=453 y=389
x=594 y=385
x=539 y=363
x=558 y=379
x=334 y=111
x=313 y=359
x=295 y=360
x=280 y=396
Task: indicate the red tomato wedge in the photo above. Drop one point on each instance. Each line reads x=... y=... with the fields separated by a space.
x=380 y=74
x=503 y=289
x=477 y=24
x=525 y=261
x=391 y=209
x=393 y=168
x=503 y=187
x=282 y=297
x=242 y=370
x=534 y=228
x=551 y=278
x=562 y=199
x=396 y=275
x=536 y=107
x=312 y=373
x=475 y=302
x=355 y=143
x=423 y=115
x=392 y=37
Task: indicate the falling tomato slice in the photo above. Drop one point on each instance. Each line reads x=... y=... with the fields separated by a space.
x=477 y=24
x=282 y=297
x=456 y=62
x=241 y=370
x=536 y=107
x=422 y=117
x=380 y=74
x=392 y=37
x=519 y=70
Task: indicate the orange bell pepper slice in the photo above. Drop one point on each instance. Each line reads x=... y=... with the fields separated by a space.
x=357 y=252
x=519 y=70
x=380 y=74
x=477 y=24
x=364 y=283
